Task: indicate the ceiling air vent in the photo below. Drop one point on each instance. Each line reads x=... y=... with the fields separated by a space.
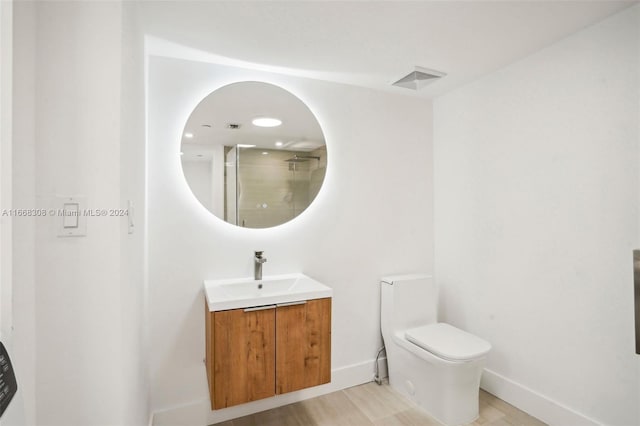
x=233 y=126
x=419 y=78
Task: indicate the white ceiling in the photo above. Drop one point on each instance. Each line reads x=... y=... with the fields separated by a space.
x=239 y=104
x=372 y=44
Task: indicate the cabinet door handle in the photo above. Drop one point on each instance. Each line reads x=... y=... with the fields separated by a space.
x=260 y=308
x=301 y=302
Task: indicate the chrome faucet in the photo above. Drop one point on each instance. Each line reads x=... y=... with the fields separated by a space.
x=257 y=266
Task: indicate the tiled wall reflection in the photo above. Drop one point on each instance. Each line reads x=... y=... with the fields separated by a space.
x=273 y=190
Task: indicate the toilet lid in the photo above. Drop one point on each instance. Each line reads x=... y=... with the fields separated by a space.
x=448 y=342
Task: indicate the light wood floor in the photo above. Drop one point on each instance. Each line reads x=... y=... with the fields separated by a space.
x=373 y=405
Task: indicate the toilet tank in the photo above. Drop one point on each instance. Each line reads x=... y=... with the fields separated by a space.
x=407 y=301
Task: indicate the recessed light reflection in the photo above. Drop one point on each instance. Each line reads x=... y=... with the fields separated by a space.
x=265 y=153
x=266 y=122
x=279 y=143
x=188 y=135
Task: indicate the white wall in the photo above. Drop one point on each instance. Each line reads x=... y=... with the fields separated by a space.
x=217 y=181
x=6 y=53
x=80 y=76
x=6 y=99
x=23 y=188
x=77 y=279
x=199 y=175
x=133 y=307
x=372 y=217
x=536 y=214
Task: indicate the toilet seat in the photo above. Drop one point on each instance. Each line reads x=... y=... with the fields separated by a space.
x=448 y=342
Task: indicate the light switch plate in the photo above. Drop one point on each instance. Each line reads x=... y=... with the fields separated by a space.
x=70 y=219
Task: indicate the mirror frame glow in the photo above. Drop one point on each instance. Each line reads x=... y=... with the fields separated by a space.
x=253 y=176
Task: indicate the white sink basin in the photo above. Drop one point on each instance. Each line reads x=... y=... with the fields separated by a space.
x=246 y=292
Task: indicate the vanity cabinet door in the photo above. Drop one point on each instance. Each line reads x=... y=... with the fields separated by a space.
x=303 y=345
x=243 y=355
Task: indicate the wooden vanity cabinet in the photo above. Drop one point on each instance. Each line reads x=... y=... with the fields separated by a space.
x=259 y=352
x=303 y=345
x=243 y=356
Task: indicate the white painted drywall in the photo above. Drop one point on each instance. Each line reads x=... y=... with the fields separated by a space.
x=13 y=334
x=536 y=214
x=78 y=279
x=133 y=307
x=83 y=117
x=372 y=217
x=6 y=99
x=23 y=184
x=217 y=181
x=199 y=175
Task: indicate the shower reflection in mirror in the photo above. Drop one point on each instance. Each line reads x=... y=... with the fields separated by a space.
x=248 y=174
x=266 y=187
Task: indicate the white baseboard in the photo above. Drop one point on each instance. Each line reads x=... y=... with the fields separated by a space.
x=532 y=402
x=198 y=413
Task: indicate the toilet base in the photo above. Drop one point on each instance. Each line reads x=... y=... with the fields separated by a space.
x=447 y=391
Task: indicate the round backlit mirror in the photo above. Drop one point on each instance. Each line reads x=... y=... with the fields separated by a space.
x=253 y=154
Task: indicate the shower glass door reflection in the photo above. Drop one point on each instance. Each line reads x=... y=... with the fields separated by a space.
x=268 y=187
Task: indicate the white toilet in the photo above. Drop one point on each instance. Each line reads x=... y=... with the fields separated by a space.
x=435 y=364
